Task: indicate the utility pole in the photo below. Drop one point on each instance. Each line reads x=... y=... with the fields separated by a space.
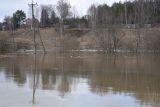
x=126 y=20
x=33 y=25
x=32 y=5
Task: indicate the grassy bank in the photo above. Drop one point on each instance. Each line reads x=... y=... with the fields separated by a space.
x=130 y=40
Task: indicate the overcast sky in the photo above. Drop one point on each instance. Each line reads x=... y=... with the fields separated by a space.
x=7 y=7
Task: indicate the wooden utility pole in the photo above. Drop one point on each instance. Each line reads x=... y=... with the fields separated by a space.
x=126 y=20
x=34 y=29
x=33 y=25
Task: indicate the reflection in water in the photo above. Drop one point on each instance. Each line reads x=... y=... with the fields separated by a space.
x=36 y=75
x=35 y=80
x=84 y=78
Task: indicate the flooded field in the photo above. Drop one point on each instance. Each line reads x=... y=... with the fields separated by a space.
x=80 y=80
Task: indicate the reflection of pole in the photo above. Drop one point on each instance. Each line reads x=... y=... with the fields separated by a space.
x=34 y=79
x=36 y=75
x=34 y=91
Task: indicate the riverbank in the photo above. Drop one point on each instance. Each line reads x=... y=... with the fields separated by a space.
x=117 y=40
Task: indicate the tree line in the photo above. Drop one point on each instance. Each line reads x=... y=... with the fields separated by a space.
x=137 y=12
x=108 y=23
x=46 y=16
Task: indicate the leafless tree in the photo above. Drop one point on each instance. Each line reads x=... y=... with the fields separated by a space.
x=92 y=12
x=63 y=9
x=116 y=35
x=74 y=12
x=46 y=11
x=152 y=40
x=8 y=23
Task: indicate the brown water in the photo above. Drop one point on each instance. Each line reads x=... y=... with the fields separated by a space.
x=80 y=80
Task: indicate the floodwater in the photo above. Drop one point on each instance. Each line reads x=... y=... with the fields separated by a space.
x=80 y=80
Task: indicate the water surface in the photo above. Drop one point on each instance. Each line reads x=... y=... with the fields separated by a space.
x=80 y=80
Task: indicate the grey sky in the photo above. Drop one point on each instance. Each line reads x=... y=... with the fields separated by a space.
x=7 y=7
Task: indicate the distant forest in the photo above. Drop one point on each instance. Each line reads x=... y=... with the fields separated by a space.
x=139 y=12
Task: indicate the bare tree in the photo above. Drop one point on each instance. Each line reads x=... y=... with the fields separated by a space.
x=63 y=9
x=53 y=18
x=44 y=16
x=116 y=35
x=92 y=12
x=8 y=23
x=74 y=12
x=152 y=40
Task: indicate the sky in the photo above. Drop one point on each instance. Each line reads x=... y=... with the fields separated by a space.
x=8 y=7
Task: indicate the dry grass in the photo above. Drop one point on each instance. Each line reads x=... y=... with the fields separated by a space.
x=73 y=39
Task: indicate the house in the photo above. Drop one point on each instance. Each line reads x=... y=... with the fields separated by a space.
x=28 y=23
x=3 y=27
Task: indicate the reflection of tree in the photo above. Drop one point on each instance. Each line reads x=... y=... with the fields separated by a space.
x=36 y=75
x=16 y=71
x=64 y=86
x=138 y=76
x=144 y=86
x=45 y=80
x=48 y=76
x=20 y=77
x=128 y=76
x=48 y=79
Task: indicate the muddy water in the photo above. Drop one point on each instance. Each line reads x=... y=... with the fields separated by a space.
x=80 y=80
